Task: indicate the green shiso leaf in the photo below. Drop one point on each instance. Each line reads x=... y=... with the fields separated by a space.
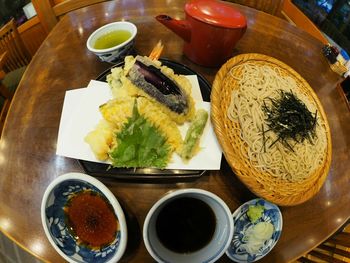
x=140 y=144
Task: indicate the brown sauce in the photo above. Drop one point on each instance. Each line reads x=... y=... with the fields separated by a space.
x=185 y=225
x=91 y=219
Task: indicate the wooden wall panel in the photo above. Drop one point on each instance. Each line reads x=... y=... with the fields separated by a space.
x=297 y=17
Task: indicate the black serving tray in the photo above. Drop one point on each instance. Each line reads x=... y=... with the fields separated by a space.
x=146 y=174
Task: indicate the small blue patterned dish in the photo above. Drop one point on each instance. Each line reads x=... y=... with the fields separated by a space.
x=56 y=199
x=237 y=250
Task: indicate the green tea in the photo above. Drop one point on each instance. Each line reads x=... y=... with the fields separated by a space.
x=112 y=39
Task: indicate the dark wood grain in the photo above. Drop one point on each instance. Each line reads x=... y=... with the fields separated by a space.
x=272 y=7
x=28 y=162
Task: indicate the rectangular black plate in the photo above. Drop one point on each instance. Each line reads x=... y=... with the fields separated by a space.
x=146 y=174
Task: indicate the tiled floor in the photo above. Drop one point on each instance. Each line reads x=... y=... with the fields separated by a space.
x=11 y=253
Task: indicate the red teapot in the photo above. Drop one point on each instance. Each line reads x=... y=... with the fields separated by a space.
x=210 y=31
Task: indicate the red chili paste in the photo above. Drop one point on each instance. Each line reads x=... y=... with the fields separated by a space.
x=91 y=219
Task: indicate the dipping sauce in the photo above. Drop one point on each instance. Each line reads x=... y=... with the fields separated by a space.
x=91 y=219
x=112 y=39
x=185 y=225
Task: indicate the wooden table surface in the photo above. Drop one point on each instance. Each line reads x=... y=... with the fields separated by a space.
x=28 y=162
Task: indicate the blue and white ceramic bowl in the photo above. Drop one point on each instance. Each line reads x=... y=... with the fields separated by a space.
x=53 y=219
x=115 y=53
x=272 y=214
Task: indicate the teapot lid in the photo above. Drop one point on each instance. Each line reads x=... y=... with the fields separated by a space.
x=215 y=13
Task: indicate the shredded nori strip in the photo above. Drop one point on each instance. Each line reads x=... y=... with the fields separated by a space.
x=289 y=118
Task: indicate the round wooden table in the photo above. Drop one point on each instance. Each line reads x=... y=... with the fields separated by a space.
x=28 y=162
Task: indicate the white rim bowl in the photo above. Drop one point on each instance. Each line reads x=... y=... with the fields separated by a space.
x=106 y=192
x=122 y=25
x=222 y=236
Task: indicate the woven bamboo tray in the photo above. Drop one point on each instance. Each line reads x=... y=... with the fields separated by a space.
x=278 y=191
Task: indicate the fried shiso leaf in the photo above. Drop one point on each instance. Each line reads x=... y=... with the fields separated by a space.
x=140 y=144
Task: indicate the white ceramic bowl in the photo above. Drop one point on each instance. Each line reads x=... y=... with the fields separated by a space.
x=209 y=253
x=54 y=220
x=115 y=53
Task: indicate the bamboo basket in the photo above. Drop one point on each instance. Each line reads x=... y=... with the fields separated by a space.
x=275 y=190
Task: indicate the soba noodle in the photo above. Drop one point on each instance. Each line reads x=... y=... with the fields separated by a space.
x=256 y=84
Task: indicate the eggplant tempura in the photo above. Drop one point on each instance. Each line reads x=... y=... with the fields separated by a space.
x=144 y=77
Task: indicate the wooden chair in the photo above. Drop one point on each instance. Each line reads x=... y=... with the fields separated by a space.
x=14 y=59
x=336 y=249
x=50 y=11
x=272 y=7
x=5 y=98
x=11 y=42
x=5 y=93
